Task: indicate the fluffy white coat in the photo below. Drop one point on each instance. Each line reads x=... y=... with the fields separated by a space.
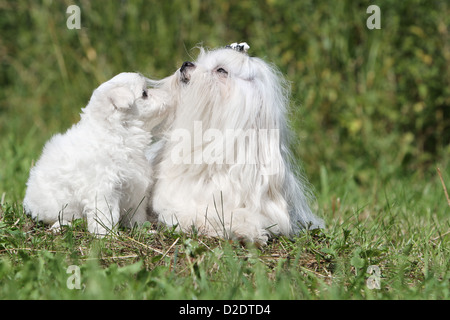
x=97 y=170
x=201 y=185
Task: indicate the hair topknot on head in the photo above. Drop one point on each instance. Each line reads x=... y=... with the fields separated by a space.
x=240 y=47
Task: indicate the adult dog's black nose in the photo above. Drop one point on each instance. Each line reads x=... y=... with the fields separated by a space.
x=186 y=64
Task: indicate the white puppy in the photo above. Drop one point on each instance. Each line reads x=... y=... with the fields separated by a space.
x=224 y=167
x=97 y=170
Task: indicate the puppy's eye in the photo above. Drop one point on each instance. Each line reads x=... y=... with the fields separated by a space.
x=222 y=70
x=144 y=94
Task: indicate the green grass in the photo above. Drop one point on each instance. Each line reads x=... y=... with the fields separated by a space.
x=403 y=233
x=370 y=109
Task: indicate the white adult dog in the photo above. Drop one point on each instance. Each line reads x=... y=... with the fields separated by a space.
x=97 y=170
x=224 y=168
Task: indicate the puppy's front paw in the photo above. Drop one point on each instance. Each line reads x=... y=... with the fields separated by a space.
x=56 y=227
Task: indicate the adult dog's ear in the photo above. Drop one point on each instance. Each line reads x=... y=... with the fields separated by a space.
x=121 y=98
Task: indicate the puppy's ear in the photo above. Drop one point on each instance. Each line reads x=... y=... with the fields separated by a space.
x=121 y=98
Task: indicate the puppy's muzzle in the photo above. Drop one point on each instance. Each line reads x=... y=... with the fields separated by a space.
x=185 y=76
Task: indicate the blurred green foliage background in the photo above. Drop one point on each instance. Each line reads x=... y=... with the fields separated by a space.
x=367 y=104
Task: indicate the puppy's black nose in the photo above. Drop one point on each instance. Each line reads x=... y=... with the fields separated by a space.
x=186 y=64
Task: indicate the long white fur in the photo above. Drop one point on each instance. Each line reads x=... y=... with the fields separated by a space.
x=232 y=200
x=98 y=170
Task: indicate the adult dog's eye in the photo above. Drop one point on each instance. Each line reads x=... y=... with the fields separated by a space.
x=222 y=70
x=144 y=94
